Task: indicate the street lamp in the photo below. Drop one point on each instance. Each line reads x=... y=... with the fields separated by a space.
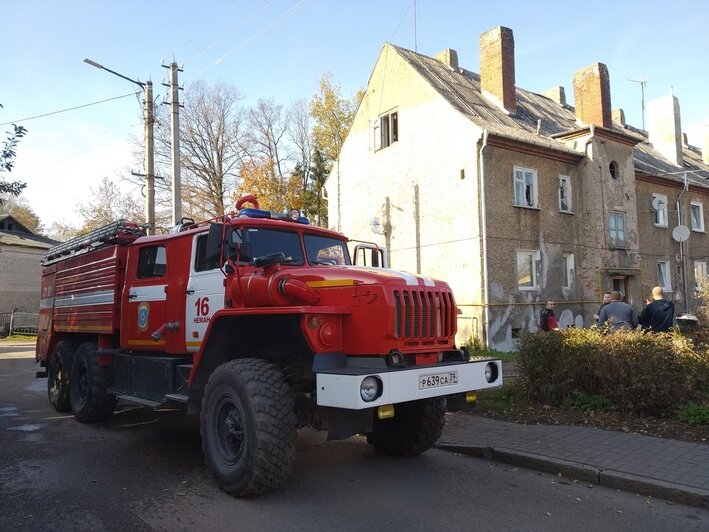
x=149 y=156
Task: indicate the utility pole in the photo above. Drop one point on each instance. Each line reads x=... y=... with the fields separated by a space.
x=149 y=159
x=149 y=120
x=175 y=128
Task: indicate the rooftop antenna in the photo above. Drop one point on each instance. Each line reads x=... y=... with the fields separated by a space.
x=642 y=83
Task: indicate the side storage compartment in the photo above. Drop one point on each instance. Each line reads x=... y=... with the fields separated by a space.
x=147 y=379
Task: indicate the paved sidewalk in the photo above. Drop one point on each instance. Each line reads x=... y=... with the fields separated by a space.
x=668 y=469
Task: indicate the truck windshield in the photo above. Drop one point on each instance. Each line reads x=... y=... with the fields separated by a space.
x=325 y=250
x=267 y=241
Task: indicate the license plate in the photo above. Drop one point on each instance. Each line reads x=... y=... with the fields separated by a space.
x=439 y=379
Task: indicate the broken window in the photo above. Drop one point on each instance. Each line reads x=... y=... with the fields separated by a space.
x=525 y=187
x=565 y=193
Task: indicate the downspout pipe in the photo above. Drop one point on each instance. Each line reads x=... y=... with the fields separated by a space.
x=483 y=236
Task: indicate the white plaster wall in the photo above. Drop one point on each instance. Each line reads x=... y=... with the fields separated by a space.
x=435 y=144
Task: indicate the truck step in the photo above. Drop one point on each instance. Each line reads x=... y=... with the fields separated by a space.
x=179 y=397
x=139 y=400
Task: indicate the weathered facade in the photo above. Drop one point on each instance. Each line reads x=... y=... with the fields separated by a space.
x=515 y=197
x=21 y=254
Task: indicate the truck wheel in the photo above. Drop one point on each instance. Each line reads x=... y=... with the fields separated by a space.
x=414 y=429
x=248 y=425
x=88 y=386
x=58 y=371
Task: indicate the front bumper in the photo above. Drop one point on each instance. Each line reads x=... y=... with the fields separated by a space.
x=340 y=387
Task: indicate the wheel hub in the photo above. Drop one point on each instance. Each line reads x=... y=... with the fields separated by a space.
x=231 y=432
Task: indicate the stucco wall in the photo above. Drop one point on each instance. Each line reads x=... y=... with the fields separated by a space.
x=434 y=158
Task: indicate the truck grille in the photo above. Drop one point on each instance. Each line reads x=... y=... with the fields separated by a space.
x=422 y=314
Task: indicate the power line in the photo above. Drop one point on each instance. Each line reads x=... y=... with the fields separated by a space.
x=69 y=109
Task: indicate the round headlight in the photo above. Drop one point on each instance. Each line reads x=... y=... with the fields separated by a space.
x=370 y=389
x=491 y=372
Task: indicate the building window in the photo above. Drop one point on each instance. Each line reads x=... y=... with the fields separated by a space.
x=614 y=170
x=565 y=193
x=528 y=268
x=616 y=225
x=567 y=270
x=663 y=275
x=388 y=129
x=659 y=207
x=525 y=187
x=696 y=210
x=700 y=274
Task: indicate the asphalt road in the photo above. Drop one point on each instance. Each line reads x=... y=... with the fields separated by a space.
x=143 y=470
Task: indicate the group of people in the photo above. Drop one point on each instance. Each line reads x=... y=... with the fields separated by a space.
x=658 y=315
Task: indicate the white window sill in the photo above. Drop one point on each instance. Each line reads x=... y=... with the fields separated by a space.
x=527 y=207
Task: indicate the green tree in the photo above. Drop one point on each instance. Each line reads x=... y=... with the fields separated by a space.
x=333 y=115
x=7 y=155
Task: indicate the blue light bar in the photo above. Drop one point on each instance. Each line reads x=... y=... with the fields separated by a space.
x=260 y=213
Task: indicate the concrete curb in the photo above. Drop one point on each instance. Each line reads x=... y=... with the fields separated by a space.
x=587 y=473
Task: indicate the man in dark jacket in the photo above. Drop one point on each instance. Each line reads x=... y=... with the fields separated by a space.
x=658 y=316
x=617 y=314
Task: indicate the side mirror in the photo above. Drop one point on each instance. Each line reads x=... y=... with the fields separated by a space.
x=241 y=251
x=219 y=234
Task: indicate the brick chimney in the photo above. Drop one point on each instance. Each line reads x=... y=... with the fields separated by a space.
x=619 y=116
x=497 y=67
x=592 y=95
x=448 y=57
x=705 y=146
x=664 y=128
x=557 y=94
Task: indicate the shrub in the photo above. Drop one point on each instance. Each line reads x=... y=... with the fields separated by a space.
x=636 y=371
x=694 y=414
x=590 y=403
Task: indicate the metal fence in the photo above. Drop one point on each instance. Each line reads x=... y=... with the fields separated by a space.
x=18 y=323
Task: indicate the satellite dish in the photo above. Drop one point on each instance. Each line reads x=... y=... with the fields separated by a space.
x=658 y=204
x=680 y=233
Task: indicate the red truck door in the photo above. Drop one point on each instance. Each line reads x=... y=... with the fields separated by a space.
x=145 y=298
x=205 y=293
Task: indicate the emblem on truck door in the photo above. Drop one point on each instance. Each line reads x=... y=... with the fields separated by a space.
x=143 y=316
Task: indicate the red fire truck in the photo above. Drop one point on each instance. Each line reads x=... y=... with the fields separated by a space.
x=259 y=323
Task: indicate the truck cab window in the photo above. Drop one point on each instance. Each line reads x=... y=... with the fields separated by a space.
x=152 y=262
x=267 y=241
x=201 y=264
x=324 y=250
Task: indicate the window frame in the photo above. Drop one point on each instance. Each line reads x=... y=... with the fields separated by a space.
x=616 y=242
x=566 y=187
x=703 y=273
x=534 y=257
x=567 y=271
x=665 y=284
x=386 y=129
x=522 y=202
x=660 y=213
x=700 y=206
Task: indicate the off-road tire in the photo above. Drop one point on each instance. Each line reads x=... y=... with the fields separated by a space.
x=414 y=429
x=88 y=385
x=248 y=425
x=58 y=375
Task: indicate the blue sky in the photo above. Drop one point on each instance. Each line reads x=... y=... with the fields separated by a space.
x=279 y=49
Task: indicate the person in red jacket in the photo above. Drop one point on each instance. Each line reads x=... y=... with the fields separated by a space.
x=547 y=319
